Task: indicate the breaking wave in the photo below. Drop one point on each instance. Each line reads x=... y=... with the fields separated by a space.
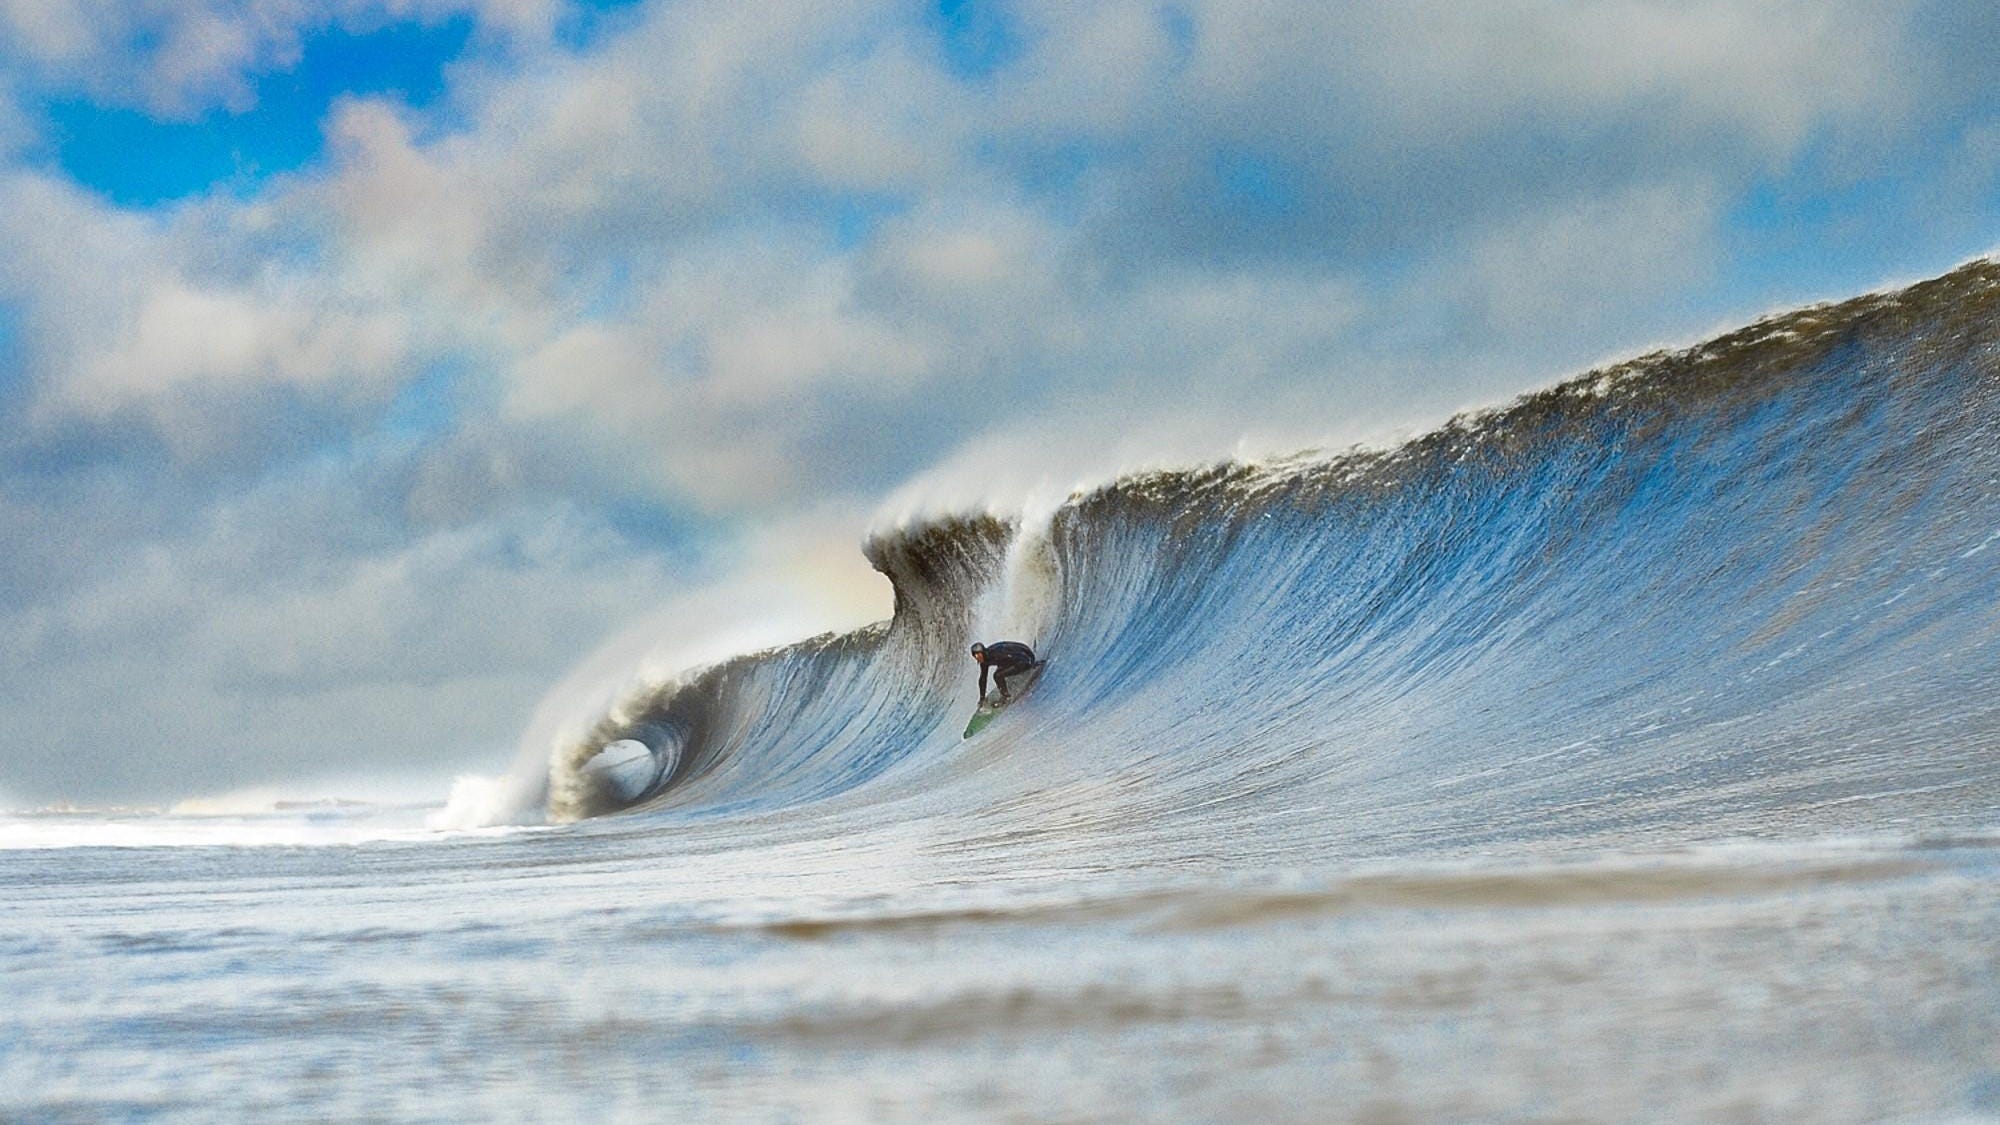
x=1745 y=588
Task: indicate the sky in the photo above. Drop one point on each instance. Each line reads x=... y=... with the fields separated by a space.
x=373 y=372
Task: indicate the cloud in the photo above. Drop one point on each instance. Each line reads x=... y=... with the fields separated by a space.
x=1582 y=264
x=345 y=465
x=17 y=128
x=178 y=59
x=636 y=237
x=182 y=334
x=129 y=324
x=1385 y=77
x=724 y=369
x=247 y=651
x=1376 y=129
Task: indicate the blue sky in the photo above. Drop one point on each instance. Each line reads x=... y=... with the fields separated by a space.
x=366 y=366
x=137 y=158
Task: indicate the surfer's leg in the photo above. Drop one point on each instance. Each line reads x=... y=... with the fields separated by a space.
x=1000 y=675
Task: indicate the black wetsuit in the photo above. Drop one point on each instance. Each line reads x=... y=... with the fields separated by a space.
x=1004 y=659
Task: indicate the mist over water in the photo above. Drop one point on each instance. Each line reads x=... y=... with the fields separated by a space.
x=1623 y=753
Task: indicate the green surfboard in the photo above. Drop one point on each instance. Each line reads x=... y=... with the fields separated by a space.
x=979 y=719
x=991 y=706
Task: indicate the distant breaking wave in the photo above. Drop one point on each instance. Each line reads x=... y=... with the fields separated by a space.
x=1745 y=588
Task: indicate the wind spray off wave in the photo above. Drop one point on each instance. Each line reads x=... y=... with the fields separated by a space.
x=1747 y=587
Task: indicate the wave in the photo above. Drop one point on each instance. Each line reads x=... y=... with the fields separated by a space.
x=1746 y=587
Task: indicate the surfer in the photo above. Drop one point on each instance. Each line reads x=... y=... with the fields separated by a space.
x=1003 y=659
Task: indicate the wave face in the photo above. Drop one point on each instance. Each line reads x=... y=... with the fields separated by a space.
x=1743 y=588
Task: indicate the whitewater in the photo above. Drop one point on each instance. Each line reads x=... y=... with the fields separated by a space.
x=1630 y=751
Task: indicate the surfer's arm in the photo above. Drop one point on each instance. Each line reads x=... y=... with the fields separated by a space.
x=983 y=669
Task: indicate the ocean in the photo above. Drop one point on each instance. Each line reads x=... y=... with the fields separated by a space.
x=1628 y=752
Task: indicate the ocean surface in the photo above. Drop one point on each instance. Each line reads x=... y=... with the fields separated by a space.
x=1630 y=752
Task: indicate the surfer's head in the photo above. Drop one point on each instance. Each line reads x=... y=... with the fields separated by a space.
x=979 y=652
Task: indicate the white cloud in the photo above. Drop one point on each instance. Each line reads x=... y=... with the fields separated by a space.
x=47 y=31
x=1094 y=69
x=752 y=260
x=17 y=128
x=128 y=319
x=623 y=236
x=180 y=58
x=720 y=371
x=885 y=121
x=1435 y=73
x=1576 y=266
x=428 y=649
x=182 y=334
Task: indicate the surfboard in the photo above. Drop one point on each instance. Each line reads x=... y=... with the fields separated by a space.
x=991 y=706
x=980 y=718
